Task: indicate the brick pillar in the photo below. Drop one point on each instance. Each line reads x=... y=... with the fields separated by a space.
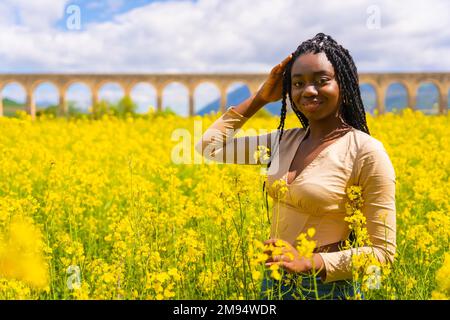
x=1 y=104
x=159 y=92
x=63 y=105
x=191 y=102
x=30 y=104
x=381 y=95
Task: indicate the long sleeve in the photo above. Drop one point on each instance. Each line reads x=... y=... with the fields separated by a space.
x=218 y=143
x=377 y=180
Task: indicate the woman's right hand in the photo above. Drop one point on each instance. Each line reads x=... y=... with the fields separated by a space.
x=272 y=89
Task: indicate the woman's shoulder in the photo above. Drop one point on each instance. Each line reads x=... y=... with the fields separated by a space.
x=290 y=134
x=372 y=157
x=366 y=143
x=293 y=132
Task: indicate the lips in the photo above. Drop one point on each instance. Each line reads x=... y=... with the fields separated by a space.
x=311 y=105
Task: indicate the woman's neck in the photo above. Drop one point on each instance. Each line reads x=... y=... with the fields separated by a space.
x=326 y=130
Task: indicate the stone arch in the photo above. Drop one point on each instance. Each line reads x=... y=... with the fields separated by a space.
x=73 y=81
x=379 y=82
x=209 y=102
x=397 y=96
x=444 y=88
x=12 y=81
x=139 y=98
x=67 y=99
x=446 y=106
x=179 y=105
x=105 y=83
x=11 y=109
x=39 y=82
x=369 y=97
x=428 y=101
x=35 y=96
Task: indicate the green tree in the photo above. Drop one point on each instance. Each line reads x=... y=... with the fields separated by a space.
x=126 y=106
x=100 y=109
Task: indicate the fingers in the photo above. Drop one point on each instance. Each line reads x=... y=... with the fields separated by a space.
x=283 y=250
x=276 y=246
x=270 y=241
x=277 y=243
x=282 y=264
x=280 y=258
x=278 y=250
x=279 y=68
x=285 y=61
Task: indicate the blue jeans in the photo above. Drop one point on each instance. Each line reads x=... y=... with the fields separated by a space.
x=302 y=287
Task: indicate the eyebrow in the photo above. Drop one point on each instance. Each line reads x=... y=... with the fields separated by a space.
x=315 y=73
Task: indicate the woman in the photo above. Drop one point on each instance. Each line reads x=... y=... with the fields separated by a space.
x=333 y=151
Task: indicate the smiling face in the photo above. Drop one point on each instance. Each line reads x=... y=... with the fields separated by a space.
x=314 y=88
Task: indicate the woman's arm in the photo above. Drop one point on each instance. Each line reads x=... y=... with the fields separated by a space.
x=218 y=142
x=377 y=180
x=271 y=91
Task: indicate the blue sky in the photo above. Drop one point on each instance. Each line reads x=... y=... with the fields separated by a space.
x=103 y=10
x=117 y=36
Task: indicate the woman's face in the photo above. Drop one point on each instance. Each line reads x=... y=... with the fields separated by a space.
x=314 y=89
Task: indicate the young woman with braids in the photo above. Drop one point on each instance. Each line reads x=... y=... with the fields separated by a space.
x=318 y=162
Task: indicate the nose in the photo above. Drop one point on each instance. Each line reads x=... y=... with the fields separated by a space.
x=310 y=90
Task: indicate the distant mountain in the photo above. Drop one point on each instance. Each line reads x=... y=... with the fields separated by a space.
x=10 y=107
x=234 y=98
x=45 y=104
x=11 y=103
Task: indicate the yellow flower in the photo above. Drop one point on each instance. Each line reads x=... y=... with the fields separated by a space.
x=256 y=275
x=443 y=278
x=304 y=246
x=280 y=188
x=275 y=272
x=262 y=154
x=121 y=210
x=21 y=254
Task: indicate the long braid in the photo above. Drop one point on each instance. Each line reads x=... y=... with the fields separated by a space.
x=283 y=111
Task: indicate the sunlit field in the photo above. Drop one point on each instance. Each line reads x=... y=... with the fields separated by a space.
x=96 y=209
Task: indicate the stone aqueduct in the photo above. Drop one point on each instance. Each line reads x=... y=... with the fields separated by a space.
x=380 y=83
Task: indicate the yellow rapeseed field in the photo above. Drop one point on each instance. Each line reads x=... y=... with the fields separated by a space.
x=98 y=210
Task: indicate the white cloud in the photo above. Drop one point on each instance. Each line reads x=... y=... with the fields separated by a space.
x=225 y=36
x=33 y=15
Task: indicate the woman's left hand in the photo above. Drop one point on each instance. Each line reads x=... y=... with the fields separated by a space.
x=289 y=259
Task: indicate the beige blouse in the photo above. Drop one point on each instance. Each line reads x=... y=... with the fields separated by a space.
x=316 y=198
